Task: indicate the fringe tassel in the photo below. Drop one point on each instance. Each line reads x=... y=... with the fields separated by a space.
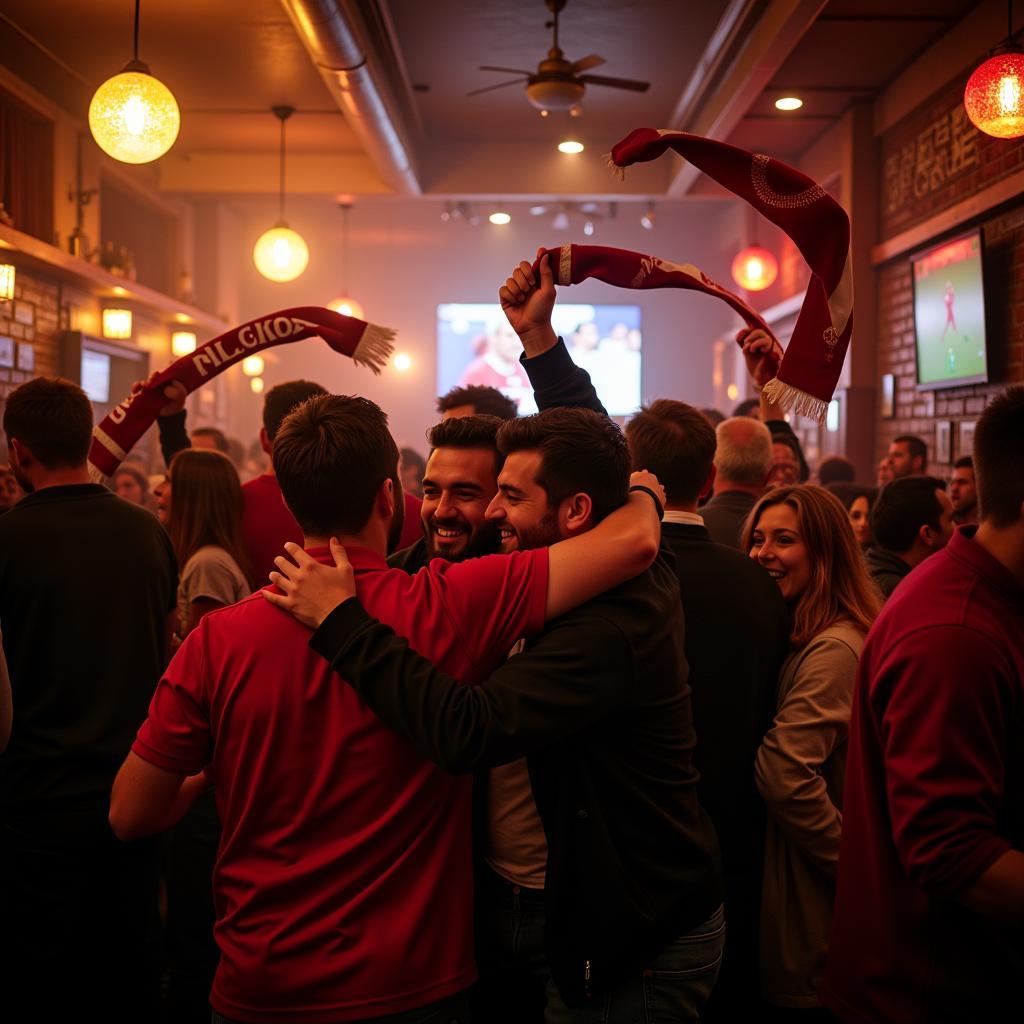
x=617 y=171
x=374 y=348
x=791 y=398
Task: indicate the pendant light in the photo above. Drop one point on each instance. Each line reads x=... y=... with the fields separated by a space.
x=754 y=268
x=994 y=96
x=281 y=254
x=133 y=116
x=344 y=303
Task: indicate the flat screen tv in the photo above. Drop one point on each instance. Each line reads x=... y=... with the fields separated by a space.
x=949 y=313
x=475 y=345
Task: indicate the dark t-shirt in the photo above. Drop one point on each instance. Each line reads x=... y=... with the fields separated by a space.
x=86 y=583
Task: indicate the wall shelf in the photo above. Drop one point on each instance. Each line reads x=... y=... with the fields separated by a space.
x=37 y=255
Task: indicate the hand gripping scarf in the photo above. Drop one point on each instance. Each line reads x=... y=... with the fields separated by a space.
x=364 y=343
x=809 y=370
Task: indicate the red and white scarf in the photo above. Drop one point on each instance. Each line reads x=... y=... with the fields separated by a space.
x=809 y=370
x=366 y=344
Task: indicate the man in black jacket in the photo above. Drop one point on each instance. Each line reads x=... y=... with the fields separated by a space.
x=600 y=708
x=737 y=629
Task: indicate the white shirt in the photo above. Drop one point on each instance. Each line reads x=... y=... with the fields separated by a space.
x=683 y=518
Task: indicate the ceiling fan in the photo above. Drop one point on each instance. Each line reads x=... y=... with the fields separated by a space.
x=558 y=84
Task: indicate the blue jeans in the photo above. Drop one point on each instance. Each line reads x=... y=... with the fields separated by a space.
x=453 y=1010
x=673 y=987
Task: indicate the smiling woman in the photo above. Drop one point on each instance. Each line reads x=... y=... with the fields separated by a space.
x=803 y=538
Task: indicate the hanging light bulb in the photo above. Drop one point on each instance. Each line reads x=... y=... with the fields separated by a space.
x=754 y=268
x=256 y=384
x=647 y=218
x=344 y=303
x=281 y=254
x=994 y=96
x=133 y=116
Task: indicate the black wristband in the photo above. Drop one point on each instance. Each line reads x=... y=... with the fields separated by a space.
x=657 y=501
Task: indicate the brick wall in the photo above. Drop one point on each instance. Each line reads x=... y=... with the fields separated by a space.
x=918 y=411
x=931 y=160
x=32 y=319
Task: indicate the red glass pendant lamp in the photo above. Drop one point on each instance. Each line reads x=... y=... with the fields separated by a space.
x=994 y=96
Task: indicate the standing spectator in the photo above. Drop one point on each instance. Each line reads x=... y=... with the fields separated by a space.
x=10 y=490
x=963 y=492
x=412 y=466
x=836 y=469
x=132 y=484
x=210 y=439
x=743 y=460
x=858 y=500
x=802 y=536
x=929 y=919
x=203 y=504
x=907 y=456
x=476 y=400
x=724 y=594
x=86 y=585
x=884 y=475
x=911 y=520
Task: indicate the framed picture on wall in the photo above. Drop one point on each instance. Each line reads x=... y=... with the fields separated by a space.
x=966 y=439
x=943 y=441
x=888 y=396
x=6 y=351
x=26 y=357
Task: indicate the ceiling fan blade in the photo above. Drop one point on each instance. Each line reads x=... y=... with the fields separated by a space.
x=500 y=85
x=615 y=83
x=511 y=71
x=586 y=63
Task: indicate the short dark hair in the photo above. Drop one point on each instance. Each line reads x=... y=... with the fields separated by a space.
x=485 y=400
x=52 y=417
x=964 y=462
x=331 y=455
x=917 y=448
x=465 y=432
x=836 y=469
x=676 y=443
x=999 y=458
x=220 y=441
x=902 y=508
x=282 y=398
x=581 y=450
x=749 y=407
x=848 y=492
x=793 y=444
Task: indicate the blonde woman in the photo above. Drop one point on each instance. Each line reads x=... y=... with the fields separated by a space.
x=803 y=538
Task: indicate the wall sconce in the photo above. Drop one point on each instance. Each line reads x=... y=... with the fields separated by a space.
x=183 y=343
x=253 y=366
x=117 y=323
x=6 y=282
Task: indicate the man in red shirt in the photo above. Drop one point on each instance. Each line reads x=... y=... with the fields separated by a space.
x=344 y=878
x=929 y=916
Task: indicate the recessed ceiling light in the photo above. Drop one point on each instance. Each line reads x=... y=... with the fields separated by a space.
x=570 y=146
x=788 y=103
x=500 y=217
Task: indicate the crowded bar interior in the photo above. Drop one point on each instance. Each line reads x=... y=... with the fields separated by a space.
x=512 y=511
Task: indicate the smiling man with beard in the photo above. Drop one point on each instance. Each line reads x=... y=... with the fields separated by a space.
x=458 y=485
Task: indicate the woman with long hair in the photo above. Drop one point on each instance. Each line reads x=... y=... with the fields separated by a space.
x=803 y=538
x=858 y=500
x=202 y=505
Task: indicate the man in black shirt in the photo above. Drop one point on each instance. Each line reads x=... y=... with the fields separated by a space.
x=737 y=629
x=86 y=584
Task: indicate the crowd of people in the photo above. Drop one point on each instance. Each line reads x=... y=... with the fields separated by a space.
x=605 y=726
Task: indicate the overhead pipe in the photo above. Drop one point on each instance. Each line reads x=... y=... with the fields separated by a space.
x=327 y=30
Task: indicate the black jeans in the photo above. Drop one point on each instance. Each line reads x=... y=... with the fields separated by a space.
x=78 y=914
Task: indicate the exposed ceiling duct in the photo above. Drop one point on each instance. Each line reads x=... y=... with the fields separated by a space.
x=343 y=38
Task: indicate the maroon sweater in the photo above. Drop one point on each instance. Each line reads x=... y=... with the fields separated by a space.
x=934 y=796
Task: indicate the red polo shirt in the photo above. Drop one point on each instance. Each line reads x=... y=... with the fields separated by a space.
x=343 y=883
x=267 y=525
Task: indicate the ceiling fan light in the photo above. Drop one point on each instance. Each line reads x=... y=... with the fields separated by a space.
x=570 y=146
x=554 y=95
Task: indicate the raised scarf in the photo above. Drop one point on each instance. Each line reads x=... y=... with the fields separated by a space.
x=366 y=344
x=808 y=371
